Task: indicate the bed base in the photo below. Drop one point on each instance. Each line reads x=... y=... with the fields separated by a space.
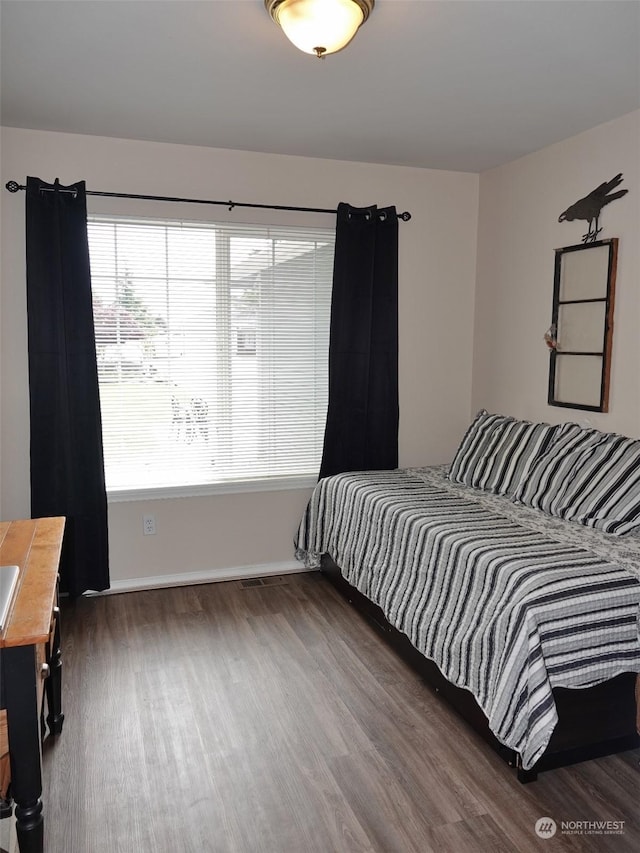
x=593 y=722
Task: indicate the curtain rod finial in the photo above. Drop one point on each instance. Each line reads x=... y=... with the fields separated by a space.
x=13 y=186
x=406 y=216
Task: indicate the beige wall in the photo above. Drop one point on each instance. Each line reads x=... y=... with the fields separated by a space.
x=451 y=363
x=437 y=278
x=518 y=232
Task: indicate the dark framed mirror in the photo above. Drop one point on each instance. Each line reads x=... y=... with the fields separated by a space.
x=581 y=333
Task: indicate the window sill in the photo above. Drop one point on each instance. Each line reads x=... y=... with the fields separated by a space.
x=155 y=493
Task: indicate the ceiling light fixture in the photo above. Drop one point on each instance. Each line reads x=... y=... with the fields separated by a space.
x=319 y=26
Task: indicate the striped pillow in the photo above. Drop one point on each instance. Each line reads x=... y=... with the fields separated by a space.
x=589 y=477
x=497 y=452
x=547 y=478
x=472 y=447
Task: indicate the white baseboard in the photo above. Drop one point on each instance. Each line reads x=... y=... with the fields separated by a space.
x=207 y=576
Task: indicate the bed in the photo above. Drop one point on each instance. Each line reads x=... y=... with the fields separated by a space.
x=525 y=619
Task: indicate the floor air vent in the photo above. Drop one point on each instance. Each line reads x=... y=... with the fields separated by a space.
x=252 y=583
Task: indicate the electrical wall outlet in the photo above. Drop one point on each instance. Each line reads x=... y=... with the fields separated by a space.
x=149 y=525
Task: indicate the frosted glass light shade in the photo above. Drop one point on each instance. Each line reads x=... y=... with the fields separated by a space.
x=319 y=26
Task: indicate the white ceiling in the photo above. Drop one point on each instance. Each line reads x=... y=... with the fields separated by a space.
x=444 y=84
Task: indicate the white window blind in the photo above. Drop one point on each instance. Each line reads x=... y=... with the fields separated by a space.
x=212 y=344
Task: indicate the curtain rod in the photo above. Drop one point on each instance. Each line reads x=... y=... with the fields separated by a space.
x=14 y=187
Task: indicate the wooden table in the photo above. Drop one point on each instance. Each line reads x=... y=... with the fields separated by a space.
x=29 y=654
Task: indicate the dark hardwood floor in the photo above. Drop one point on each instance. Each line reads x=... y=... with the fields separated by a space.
x=272 y=719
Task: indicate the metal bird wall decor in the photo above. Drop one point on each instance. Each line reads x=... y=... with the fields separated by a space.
x=589 y=207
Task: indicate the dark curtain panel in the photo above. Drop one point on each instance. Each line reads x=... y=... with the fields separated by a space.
x=67 y=470
x=362 y=419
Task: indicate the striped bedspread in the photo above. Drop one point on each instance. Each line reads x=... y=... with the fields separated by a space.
x=508 y=602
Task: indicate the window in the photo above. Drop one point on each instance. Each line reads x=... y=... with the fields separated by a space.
x=212 y=344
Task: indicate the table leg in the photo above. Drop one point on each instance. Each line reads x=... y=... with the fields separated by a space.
x=53 y=684
x=30 y=827
x=23 y=719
